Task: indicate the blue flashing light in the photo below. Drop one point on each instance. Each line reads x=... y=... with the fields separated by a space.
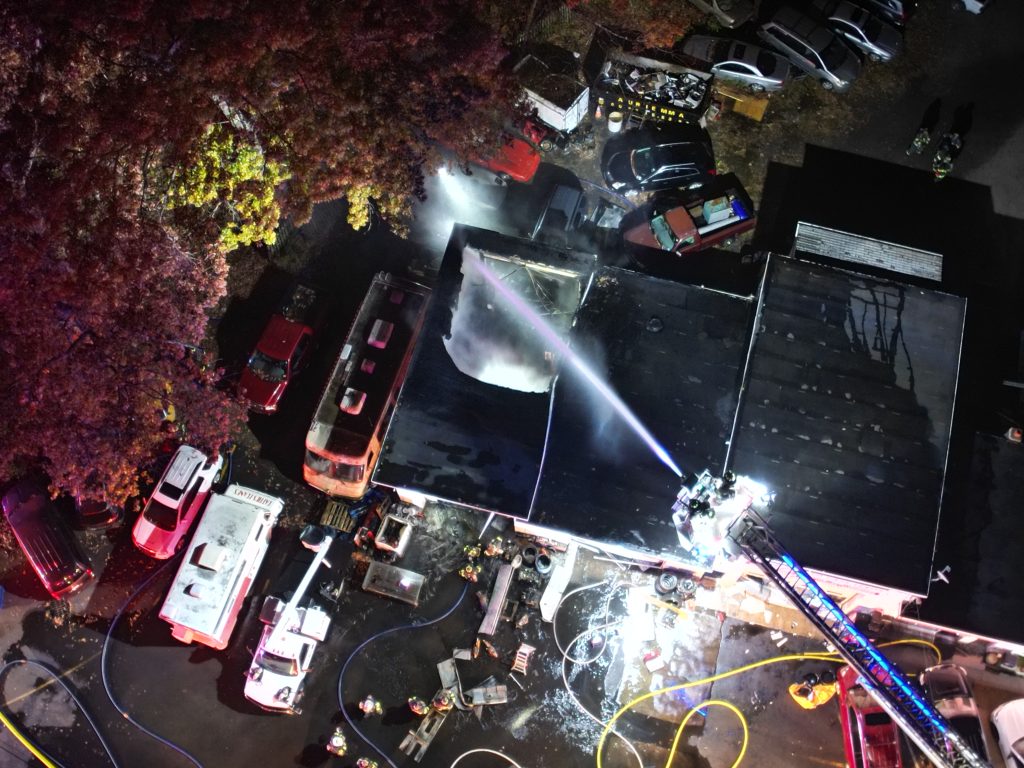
x=895 y=676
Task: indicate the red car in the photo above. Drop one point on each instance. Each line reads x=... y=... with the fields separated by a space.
x=516 y=160
x=50 y=547
x=282 y=350
x=870 y=738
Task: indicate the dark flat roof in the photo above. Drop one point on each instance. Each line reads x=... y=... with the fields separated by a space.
x=599 y=480
x=454 y=437
x=846 y=415
x=983 y=544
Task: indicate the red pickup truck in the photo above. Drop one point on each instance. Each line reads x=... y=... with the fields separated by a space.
x=283 y=349
x=692 y=221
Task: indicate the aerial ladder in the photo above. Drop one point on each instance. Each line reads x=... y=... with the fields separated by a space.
x=899 y=697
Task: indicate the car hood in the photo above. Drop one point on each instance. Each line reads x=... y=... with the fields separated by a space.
x=890 y=40
x=737 y=10
x=516 y=158
x=152 y=540
x=264 y=691
x=848 y=68
x=618 y=170
x=260 y=392
x=1009 y=719
x=700 y=47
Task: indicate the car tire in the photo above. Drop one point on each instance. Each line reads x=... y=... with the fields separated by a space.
x=755 y=88
x=546 y=145
x=827 y=85
x=502 y=179
x=874 y=57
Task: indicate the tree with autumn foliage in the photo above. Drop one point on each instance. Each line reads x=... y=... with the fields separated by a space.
x=658 y=23
x=140 y=141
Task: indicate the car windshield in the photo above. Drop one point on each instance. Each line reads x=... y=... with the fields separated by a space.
x=833 y=55
x=642 y=162
x=663 y=232
x=279 y=665
x=877 y=718
x=161 y=515
x=767 y=63
x=267 y=368
x=872 y=27
x=943 y=684
x=322 y=465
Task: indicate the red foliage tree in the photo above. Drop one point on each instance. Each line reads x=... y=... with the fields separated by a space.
x=105 y=287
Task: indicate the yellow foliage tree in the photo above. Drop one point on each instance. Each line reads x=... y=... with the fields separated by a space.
x=233 y=179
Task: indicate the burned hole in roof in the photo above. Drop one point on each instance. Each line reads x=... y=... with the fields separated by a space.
x=490 y=338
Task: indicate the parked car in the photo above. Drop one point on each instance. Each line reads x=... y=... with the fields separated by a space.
x=875 y=39
x=739 y=62
x=729 y=13
x=49 y=545
x=950 y=690
x=676 y=157
x=562 y=215
x=92 y=513
x=517 y=159
x=176 y=501
x=1008 y=727
x=692 y=221
x=896 y=12
x=870 y=738
x=812 y=48
x=283 y=350
x=976 y=6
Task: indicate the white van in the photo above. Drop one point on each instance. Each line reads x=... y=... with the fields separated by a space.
x=220 y=565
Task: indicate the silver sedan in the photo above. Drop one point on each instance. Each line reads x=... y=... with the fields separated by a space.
x=876 y=39
x=742 y=63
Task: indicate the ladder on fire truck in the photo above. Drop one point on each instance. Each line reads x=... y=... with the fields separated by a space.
x=894 y=693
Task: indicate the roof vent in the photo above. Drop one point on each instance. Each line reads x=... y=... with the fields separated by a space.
x=352 y=401
x=212 y=557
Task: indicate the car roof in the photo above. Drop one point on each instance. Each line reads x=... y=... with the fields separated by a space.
x=183 y=466
x=280 y=337
x=804 y=27
x=24 y=502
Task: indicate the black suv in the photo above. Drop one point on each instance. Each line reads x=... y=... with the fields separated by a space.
x=645 y=159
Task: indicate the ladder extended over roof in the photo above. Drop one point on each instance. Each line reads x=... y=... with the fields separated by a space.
x=895 y=694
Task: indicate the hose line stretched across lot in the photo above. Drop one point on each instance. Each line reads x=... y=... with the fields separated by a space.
x=48 y=761
x=103 y=667
x=817 y=656
x=566 y=658
x=366 y=642
x=502 y=755
x=709 y=703
x=37 y=752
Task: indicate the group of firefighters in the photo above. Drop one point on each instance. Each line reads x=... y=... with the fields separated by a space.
x=471 y=570
x=442 y=703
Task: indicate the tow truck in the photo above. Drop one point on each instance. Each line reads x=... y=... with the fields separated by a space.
x=716 y=517
x=293 y=630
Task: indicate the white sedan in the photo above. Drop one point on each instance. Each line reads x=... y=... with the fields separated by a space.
x=1008 y=724
x=740 y=62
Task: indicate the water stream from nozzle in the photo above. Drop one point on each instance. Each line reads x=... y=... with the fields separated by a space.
x=563 y=349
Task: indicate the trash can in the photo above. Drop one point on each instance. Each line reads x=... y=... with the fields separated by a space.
x=614 y=122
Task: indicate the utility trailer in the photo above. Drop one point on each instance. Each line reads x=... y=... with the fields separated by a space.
x=553 y=86
x=644 y=88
